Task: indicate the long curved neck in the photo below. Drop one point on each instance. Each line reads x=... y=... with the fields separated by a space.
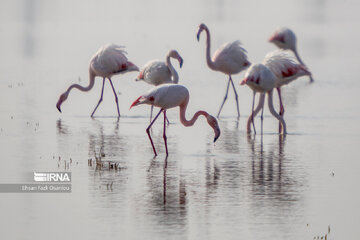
x=81 y=88
x=174 y=74
x=301 y=62
x=209 y=62
x=274 y=113
x=184 y=121
x=298 y=57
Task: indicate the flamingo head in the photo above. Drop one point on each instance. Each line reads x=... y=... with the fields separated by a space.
x=140 y=76
x=143 y=100
x=62 y=98
x=214 y=124
x=284 y=38
x=176 y=55
x=201 y=28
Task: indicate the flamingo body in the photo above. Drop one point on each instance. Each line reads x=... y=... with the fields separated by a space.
x=259 y=78
x=284 y=67
x=166 y=96
x=230 y=59
x=156 y=72
x=109 y=60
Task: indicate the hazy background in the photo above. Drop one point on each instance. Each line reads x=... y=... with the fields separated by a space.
x=292 y=188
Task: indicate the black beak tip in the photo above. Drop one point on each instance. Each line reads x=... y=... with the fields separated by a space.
x=58 y=108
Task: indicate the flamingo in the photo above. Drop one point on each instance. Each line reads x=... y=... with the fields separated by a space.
x=157 y=72
x=285 y=38
x=229 y=59
x=169 y=95
x=286 y=69
x=109 y=60
x=260 y=79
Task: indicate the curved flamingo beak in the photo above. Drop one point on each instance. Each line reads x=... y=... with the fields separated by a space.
x=136 y=102
x=214 y=124
x=181 y=61
x=58 y=107
x=243 y=82
x=198 y=34
x=217 y=133
x=140 y=76
x=59 y=102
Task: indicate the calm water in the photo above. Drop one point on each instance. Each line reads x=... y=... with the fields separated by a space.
x=298 y=187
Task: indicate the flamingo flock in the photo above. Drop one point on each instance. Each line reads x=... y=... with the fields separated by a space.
x=277 y=69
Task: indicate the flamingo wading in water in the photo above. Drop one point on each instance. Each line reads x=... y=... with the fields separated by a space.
x=286 y=70
x=230 y=59
x=260 y=79
x=166 y=96
x=157 y=72
x=109 y=60
x=285 y=38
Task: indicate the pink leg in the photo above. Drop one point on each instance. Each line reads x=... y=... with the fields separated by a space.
x=148 y=131
x=164 y=135
x=282 y=110
x=152 y=107
x=227 y=90
x=236 y=97
x=262 y=119
x=151 y=113
x=252 y=112
x=101 y=98
x=116 y=98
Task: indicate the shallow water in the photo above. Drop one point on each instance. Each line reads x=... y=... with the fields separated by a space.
x=297 y=187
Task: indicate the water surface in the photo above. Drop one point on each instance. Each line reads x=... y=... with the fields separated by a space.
x=243 y=187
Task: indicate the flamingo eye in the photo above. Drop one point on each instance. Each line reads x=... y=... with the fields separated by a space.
x=123 y=66
x=151 y=98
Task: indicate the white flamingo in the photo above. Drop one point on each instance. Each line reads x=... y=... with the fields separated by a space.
x=166 y=96
x=260 y=79
x=157 y=72
x=285 y=38
x=230 y=59
x=109 y=60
